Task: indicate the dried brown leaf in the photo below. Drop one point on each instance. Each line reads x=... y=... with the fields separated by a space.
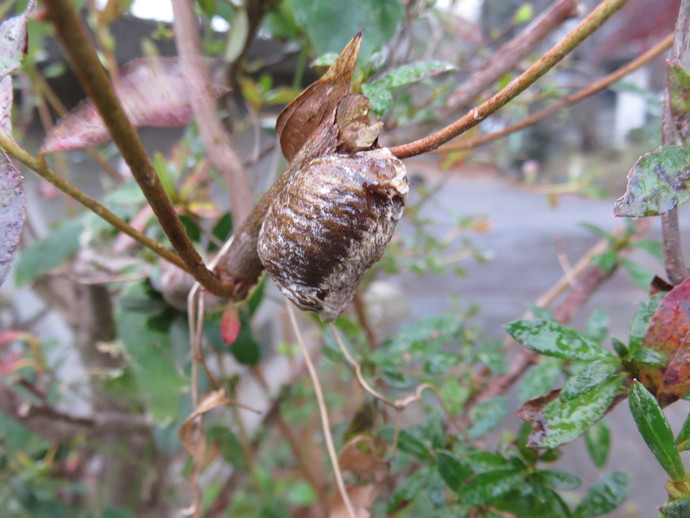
x=153 y=91
x=302 y=116
x=360 y=458
x=191 y=433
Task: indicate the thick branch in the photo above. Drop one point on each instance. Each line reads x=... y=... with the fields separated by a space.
x=55 y=425
x=219 y=148
x=592 y=22
x=511 y=53
x=673 y=250
x=576 y=97
x=84 y=61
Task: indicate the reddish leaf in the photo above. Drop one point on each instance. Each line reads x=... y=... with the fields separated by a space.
x=12 y=363
x=12 y=196
x=669 y=334
x=13 y=41
x=230 y=324
x=153 y=91
x=302 y=116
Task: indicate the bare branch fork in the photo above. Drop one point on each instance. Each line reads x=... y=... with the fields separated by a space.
x=86 y=65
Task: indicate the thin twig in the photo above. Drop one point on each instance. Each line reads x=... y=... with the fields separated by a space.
x=323 y=412
x=673 y=249
x=361 y=310
x=592 y=22
x=219 y=148
x=84 y=61
x=40 y=167
x=358 y=370
x=598 y=86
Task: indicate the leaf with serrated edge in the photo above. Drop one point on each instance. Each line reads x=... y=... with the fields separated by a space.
x=553 y=339
x=655 y=430
x=657 y=183
x=669 y=334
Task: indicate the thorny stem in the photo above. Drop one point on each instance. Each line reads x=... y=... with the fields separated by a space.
x=219 y=147
x=592 y=22
x=47 y=173
x=84 y=60
x=598 y=86
x=323 y=412
x=673 y=250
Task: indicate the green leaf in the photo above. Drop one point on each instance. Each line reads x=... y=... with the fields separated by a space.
x=559 y=479
x=564 y=421
x=651 y=246
x=620 y=348
x=553 y=339
x=490 y=486
x=452 y=471
x=683 y=439
x=413 y=73
x=641 y=320
x=657 y=183
x=301 y=493
x=648 y=357
x=454 y=395
x=586 y=379
x=655 y=430
x=597 y=326
x=524 y=13
x=381 y=98
x=331 y=25
x=639 y=275
x=604 y=496
x=409 y=444
x=49 y=252
x=606 y=260
x=598 y=231
x=487 y=415
x=152 y=353
x=680 y=509
x=598 y=442
x=539 y=379
x=679 y=93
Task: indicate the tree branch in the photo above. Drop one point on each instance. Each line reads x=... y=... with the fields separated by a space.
x=42 y=169
x=586 y=27
x=84 y=61
x=595 y=87
x=511 y=53
x=219 y=148
x=673 y=250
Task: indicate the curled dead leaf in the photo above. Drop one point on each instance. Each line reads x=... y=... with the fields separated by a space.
x=303 y=115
